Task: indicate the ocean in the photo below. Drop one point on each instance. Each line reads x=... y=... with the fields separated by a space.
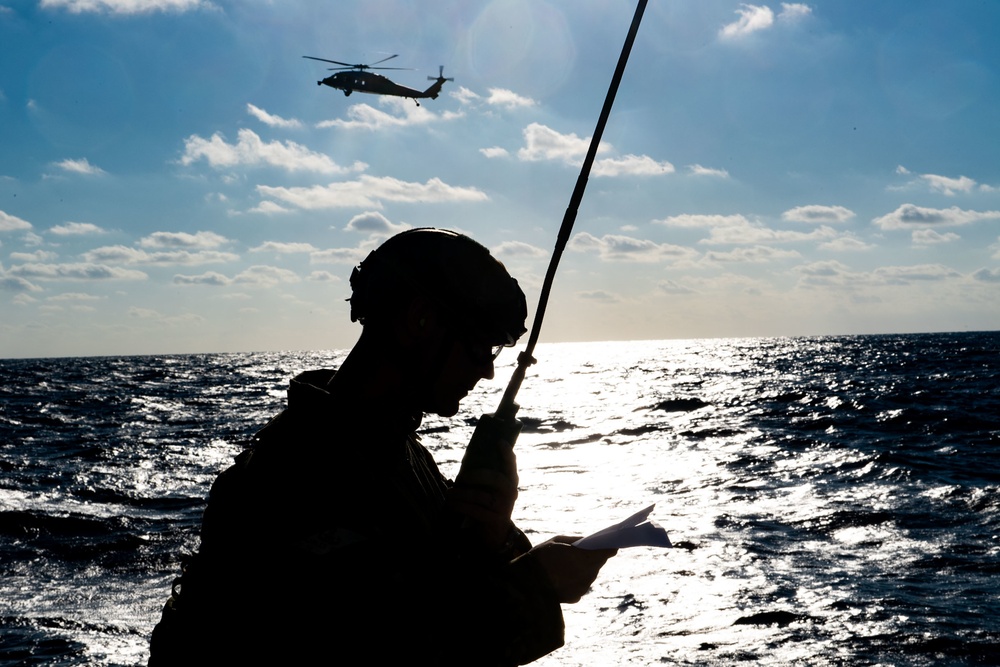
x=831 y=500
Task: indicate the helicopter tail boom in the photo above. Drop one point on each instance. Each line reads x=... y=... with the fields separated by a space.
x=438 y=80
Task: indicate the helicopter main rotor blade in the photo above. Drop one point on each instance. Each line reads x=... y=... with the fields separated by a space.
x=382 y=61
x=335 y=62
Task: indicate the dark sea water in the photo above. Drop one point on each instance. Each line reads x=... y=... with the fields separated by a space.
x=832 y=500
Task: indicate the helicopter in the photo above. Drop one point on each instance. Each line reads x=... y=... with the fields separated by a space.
x=357 y=78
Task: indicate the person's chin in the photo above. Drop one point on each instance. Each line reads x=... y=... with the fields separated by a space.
x=449 y=410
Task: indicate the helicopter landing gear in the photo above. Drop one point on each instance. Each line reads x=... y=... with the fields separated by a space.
x=347 y=91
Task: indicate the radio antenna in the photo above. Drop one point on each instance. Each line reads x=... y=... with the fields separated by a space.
x=503 y=424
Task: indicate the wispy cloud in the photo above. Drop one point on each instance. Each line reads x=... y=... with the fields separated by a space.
x=369 y=192
x=632 y=165
x=12 y=223
x=931 y=237
x=508 y=99
x=909 y=216
x=755 y=18
x=818 y=214
x=946 y=185
x=80 y=166
x=123 y=6
x=119 y=254
x=754 y=255
x=284 y=248
x=544 y=143
x=699 y=170
x=78 y=271
x=259 y=276
x=367 y=117
x=76 y=229
x=618 y=248
x=373 y=222
x=836 y=274
x=272 y=120
x=251 y=151
x=183 y=240
x=517 y=249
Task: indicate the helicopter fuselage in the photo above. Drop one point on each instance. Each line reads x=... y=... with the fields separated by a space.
x=376 y=84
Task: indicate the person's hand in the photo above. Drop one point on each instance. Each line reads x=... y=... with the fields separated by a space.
x=486 y=498
x=571 y=570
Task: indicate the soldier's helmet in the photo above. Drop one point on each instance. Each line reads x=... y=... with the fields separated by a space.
x=471 y=287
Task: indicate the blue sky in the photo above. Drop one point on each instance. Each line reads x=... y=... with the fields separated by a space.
x=172 y=179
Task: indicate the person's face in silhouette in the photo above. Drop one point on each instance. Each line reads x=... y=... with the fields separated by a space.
x=453 y=362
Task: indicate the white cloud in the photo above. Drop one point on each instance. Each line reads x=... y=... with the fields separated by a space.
x=369 y=192
x=946 y=185
x=250 y=150
x=508 y=99
x=672 y=287
x=79 y=271
x=272 y=120
x=544 y=143
x=699 y=170
x=845 y=244
x=632 y=165
x=37 y=256
x=464 y=95
x=949 y=186
x=518 y=249
x=12 y=283
x=904 y=275
x=259 y=275
x=747 y=234
x=366 y=117
x=76 y=229
x=494 y=152
x=755 y=255
x=123 y=6
x=119 y=254
x=908 y=216
x=738 y=230
x=695 y=221
x=793 y=11
x=339 y=256
x=73 y=296
x=284 y=248
x=931 y=237
x=12 y=223
x=752 y=19
x=987 y=275
x=143 y=313
x=599 y=296
x=81 y=166
x=323 y=277
x=269 y=208
x=207 y=278
x=266 y=276
x=618 y=248
x=373 y=222
x=835 y=274
x=817 y=213
x=183 y=240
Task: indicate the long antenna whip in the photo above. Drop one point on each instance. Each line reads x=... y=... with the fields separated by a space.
x=508 y=408
x=503 y=425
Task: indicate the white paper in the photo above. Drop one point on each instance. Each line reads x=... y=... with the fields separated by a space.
x=636 y=531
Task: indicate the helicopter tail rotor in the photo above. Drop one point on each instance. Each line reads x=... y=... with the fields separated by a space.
x=440 y=77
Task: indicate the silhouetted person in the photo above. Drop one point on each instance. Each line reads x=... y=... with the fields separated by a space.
x=335 y=538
